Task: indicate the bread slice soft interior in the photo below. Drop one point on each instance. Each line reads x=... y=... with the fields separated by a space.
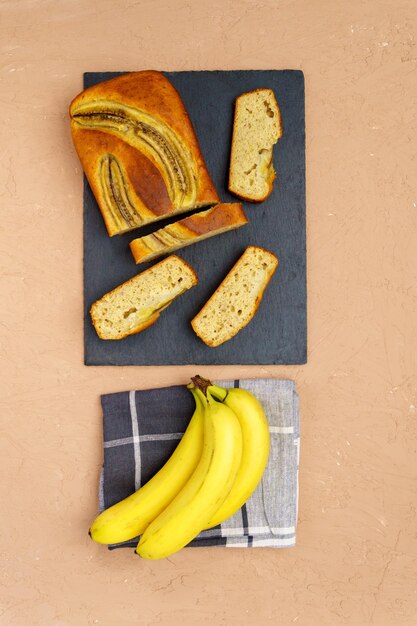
x=256 y=128
x=236 y=300
x=137 y=303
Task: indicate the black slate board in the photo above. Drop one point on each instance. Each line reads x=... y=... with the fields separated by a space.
x=278 y=332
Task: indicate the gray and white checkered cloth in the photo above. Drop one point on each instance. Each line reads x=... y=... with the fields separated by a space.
x=142 y=429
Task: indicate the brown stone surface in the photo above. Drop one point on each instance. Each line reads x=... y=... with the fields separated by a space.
x=356 y=558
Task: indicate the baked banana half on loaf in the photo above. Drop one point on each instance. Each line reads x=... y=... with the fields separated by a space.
x=214 y=221
x=139 y=151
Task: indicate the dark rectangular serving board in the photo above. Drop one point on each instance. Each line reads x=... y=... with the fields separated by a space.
x=278 y=332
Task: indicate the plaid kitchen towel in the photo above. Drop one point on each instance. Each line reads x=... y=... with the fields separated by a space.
x=142 y=428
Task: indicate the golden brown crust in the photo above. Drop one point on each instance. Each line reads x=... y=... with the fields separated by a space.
x=146 y=183
x=152 y=94
x=151 y=91
x=220 y=218
x=211 y=344
x=139 y=250
x=221 y=215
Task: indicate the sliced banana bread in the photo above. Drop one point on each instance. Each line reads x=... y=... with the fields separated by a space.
x=236 y=300
x=137 y=303
x=256 y=128
x=219 y=219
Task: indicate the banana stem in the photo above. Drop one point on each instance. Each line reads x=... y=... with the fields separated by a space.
x=201 y=383
x=204 y=385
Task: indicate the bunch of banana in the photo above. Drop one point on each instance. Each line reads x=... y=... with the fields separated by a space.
x=212 y=472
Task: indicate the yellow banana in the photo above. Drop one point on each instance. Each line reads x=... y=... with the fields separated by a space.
x=205 y=491
x=255 y=448
x=129 y=518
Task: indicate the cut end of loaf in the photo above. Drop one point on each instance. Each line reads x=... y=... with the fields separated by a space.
x=136 y=304
x=215 y=221
x=236 y=300
x=257 y=127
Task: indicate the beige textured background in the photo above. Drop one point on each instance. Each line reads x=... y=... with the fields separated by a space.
x=356 y=558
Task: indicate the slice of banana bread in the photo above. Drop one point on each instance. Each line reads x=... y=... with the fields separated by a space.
x=257 y=127
x=137 y=303
x=219 y=219
x=236 y=300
